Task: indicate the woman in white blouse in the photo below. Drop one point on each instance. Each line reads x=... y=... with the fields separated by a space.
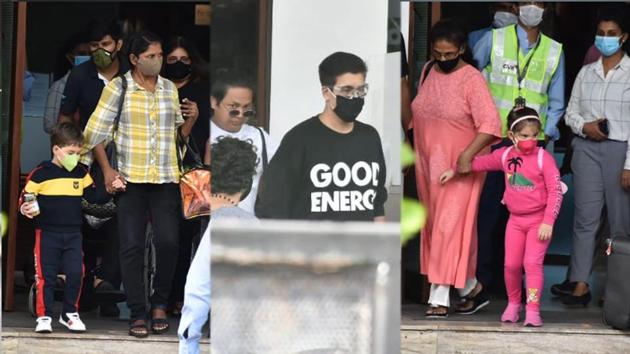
x=599 y=115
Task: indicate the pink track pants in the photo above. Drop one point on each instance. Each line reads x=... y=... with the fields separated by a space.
x=523 y=249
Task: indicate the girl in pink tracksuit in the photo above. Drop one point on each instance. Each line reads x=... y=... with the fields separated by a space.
x=533 y=195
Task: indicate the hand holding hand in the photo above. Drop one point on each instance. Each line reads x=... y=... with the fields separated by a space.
x=464 y=163
x=446 y=176
x=113 y=181
x=119 y=184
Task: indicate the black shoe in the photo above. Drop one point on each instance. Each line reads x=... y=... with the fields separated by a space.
x=109 y=310
x=105 y=293
x=564 y=288
x=476 y=302
x=574 y=301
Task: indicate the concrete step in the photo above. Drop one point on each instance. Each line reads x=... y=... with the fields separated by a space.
x=25 y=341
x=499 y=338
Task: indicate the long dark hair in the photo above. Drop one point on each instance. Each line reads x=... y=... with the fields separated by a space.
x=453 y=32
x=198 y=64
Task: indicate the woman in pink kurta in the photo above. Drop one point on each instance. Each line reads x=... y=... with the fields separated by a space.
x=454 y=118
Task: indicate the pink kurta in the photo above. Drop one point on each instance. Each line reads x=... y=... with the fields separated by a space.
x=448 y=113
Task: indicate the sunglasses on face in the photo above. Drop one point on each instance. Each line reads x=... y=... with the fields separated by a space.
x=236 y=111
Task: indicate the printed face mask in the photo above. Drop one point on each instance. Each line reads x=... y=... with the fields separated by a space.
x=102 y=58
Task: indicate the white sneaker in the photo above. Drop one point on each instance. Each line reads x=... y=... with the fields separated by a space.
x=74 y=323
x=44 y=325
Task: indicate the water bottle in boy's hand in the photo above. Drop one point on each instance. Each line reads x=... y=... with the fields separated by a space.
x=30 y=207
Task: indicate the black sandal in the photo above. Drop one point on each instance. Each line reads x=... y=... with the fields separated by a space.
x=432 y=313
x=159 y=325
x=138 y=330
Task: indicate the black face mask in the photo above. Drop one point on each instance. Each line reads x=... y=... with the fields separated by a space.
x=177 y=70
x=448 y=65
x=348 y=109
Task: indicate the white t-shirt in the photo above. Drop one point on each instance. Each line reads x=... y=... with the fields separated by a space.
x=252 y=134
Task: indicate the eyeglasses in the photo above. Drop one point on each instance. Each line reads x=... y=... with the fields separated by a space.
x=235 y=111
x=350 y=91
x=444 y=56
x=173 y=60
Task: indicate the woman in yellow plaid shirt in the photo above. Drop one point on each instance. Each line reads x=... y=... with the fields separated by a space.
x=147 y=175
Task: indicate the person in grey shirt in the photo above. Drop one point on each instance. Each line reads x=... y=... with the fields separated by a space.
x=233 y=168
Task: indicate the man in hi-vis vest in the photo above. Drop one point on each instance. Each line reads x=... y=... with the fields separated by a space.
x=525 y=67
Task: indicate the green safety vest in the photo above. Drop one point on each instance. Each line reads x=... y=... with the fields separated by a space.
x=502 y=75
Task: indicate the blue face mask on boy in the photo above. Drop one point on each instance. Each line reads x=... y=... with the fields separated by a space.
x=607 y=45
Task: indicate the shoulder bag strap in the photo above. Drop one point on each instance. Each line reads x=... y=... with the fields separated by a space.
x=264 y=148
x=427 y=69
x=121 y=101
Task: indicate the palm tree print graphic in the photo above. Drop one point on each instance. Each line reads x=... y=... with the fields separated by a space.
x=513 y=164
x=517 y=179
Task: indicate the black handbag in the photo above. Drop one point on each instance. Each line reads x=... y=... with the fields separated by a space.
x=98 y=205
x=617 y=295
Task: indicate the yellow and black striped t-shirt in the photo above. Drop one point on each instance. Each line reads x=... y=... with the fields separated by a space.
x=59 y=195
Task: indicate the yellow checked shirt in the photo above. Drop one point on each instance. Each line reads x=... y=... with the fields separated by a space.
x=147 y=131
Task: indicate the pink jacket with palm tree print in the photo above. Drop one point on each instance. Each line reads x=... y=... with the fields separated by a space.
x=528 y=188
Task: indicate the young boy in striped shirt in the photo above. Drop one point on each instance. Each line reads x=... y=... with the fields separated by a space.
x=58 y=186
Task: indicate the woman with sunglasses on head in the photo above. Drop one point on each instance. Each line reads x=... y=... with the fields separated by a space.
x=454 y=119
x=232 y=100
x=185 y=67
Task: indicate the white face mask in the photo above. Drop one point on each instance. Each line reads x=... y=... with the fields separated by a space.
x=504 y=19
x=531 y=15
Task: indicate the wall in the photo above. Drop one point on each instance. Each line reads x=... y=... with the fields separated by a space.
x=303 y=34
